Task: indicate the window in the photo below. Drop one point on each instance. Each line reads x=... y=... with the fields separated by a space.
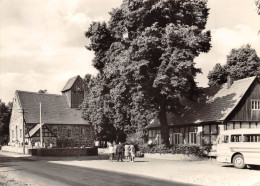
x=82 y=131
x=255 y=104
x=55 y=131
x=177 y=138
x=192 y=137
x=223 y=139
x=214 y=129
x=63 y=131
x=12 y=133
x=251 y=138
x=236 y=138
x=76 y=131
x=21 y=134
x=206 y=129
x=69 y=133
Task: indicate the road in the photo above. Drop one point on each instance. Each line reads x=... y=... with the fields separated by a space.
x=99 y=171
x=40 y=171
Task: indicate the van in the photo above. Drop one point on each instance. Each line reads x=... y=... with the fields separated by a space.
x=239 y=146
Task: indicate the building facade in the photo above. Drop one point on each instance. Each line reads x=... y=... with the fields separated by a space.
x=61 y=118
x=233 y=105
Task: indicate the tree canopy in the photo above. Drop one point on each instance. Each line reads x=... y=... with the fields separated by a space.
x=257 y=2
x=42 y=91
x=5 y=114
x=241 y=63
x=145 y=57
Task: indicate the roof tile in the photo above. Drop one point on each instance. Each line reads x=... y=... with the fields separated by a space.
x=55 y=109
x=213 y=104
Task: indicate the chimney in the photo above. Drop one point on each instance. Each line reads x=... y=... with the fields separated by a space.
x=230 y=81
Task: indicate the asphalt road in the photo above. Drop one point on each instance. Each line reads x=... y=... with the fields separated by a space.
x=98 y=170
x=40 y=171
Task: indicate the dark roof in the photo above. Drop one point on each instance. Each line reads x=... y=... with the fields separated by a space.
x=55 y=108
x=70 y=83
x=213 y=104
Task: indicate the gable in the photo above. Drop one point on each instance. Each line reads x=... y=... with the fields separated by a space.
x=244 y=111
x=35 y=132
x=71 y=82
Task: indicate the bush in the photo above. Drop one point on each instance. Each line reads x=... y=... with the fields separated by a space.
x=137 y=139
x=177 y=149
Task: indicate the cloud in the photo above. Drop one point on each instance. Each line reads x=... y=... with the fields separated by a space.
x=223 y=41
x=241 y=35
x=42 y=43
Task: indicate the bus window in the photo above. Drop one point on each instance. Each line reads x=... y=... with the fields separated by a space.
x=223 y=139
x=251 y=138
x=236 y=138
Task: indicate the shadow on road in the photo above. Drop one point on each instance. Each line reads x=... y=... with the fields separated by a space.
x=37 y=167
x=74 y=175
x=250 y=167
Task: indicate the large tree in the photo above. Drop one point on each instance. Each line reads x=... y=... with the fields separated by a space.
x=241 y=63
x=5 y=114
x=145 y=57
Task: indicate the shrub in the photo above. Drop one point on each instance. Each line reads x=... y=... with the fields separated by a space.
x=177 y=149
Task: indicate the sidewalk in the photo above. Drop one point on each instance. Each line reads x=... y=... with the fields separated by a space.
x=13 y=154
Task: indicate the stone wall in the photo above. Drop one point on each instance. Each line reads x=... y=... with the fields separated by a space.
x=64 y=152
x=75 y=135
x=67 y=136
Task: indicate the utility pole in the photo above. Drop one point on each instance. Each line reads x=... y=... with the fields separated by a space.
x=41 y=123
x=23 y=134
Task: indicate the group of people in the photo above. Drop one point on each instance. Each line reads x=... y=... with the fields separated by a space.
x=127 y=150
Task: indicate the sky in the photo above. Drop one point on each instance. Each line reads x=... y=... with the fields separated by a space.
x=42 y=42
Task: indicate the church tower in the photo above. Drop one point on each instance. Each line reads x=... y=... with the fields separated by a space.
x=74 y=91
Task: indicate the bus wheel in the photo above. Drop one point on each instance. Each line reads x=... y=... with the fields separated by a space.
x=238 y=161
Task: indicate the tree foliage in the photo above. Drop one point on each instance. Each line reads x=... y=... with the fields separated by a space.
x=145 y=57
x=42 y=91
x=241 y=63
x=257 y=2
x=5 y=114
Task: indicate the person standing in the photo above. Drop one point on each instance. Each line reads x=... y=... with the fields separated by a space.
x=132 y=151
x=120 y=151
x=114 y=149
x=110 y=151
x=127 y=152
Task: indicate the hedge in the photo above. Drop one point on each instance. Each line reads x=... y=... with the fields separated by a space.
x=196 y=150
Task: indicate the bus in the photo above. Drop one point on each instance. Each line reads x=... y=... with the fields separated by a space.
x=239 y=146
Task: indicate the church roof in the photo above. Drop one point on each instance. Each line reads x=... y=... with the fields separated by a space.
x=55 y=108
x=70 y=83
x=214 y=104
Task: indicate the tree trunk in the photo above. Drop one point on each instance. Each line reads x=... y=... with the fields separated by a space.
x=164 y=125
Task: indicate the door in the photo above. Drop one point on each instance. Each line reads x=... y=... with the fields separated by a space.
x=223 y=149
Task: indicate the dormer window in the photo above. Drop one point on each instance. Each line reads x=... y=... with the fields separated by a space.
x=255 y=104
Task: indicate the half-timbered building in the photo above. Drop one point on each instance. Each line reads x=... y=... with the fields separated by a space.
x=233 y=105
